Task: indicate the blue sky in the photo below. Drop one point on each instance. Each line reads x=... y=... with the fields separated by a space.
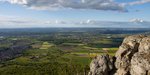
x=73 y=13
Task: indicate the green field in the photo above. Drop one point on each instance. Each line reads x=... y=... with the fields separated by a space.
x=46 y=58
x=56 y=54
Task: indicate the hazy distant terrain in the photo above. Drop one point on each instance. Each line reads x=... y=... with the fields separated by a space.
x=59 y=51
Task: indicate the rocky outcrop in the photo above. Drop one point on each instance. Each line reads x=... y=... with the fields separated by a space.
x=101 y=65
x=132 y=58
x=124 y=55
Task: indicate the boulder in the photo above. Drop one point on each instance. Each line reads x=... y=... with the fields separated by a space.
x=101 y=65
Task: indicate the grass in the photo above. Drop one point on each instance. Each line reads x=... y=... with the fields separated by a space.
x=105 y=41
x=22 y=60
x=78 y=59
x=47 y=61
x=47 y=58
x=93 y=53
x=72 y=44
x=46 y=45
x=82 y=60
x=113 y=49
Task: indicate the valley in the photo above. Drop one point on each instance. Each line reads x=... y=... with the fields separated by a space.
x=59 y=52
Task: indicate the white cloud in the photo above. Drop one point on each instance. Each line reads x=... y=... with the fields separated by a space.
x=20 y=22
x=13 y=22
x=70 y=4
x=56 y=22
x=87 y=22
x=138 y=2
x=23 y=2
x=17 y=22
x=137 y=20
x=133 y=23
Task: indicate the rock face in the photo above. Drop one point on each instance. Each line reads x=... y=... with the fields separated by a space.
x=132 y=58
x=140 y=62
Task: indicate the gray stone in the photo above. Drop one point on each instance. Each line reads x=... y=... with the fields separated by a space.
x=140 y=64
x=125 y=53
x=101 y=65
x=145 y=45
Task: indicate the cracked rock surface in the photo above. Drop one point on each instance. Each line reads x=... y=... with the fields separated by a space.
x=132 y=58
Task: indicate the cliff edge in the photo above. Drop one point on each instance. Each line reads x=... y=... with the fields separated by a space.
x=132 y=58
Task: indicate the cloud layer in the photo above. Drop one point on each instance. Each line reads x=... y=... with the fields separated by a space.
x=133 y=23
x=17 y=22
x=70 y=4
x=138 y=2
x=76 y=4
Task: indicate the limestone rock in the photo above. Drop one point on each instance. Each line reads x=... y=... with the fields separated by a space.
x=145 y=45
x=125 y=53
x=140 y=64
x=101 y=65
x=132 y=58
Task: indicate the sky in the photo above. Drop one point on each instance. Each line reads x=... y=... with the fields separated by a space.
x=74 y=13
